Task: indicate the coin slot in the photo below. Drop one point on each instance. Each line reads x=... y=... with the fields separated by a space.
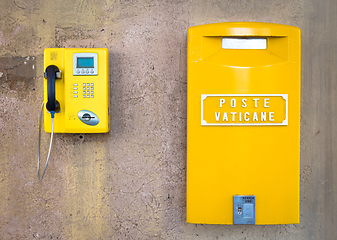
x=87 y=117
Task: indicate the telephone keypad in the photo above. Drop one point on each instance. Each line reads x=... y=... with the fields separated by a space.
x=86 y=92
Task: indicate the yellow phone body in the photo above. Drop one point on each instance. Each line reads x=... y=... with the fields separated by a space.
x=70 y=92
x=237 y=145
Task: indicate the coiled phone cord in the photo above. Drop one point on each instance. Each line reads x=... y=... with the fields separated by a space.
x=51 y=142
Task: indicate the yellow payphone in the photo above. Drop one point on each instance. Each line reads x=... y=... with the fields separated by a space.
x=76 y=92
x=76 y=88
x=243 y=123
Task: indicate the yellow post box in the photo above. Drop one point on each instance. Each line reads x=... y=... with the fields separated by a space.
x=243 y=124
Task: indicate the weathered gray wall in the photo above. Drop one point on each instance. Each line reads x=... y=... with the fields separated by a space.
x=130 y=183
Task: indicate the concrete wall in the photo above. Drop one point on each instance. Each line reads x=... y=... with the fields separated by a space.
x=130 y=183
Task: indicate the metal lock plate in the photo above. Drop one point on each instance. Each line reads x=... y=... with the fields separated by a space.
x=244 y=209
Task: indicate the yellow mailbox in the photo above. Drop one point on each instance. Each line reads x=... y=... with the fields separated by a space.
x=243 y=124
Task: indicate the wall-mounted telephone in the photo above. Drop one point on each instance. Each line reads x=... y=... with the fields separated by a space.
x=76 y=88
x=76 y=92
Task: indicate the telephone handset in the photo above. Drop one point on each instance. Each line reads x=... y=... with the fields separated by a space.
x=79 y=100
x=52 y=72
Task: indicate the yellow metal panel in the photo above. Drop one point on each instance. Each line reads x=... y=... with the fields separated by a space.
x=67 y=121
x=257 y=155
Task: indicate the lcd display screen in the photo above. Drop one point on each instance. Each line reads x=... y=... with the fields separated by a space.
x=85 y=62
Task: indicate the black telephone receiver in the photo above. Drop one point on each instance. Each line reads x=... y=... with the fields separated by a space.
x=51 y=74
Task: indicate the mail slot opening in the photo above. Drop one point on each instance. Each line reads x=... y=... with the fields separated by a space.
x=244 y=43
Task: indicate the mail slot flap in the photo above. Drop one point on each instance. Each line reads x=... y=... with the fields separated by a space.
x=280 y=40
x=244 y=43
